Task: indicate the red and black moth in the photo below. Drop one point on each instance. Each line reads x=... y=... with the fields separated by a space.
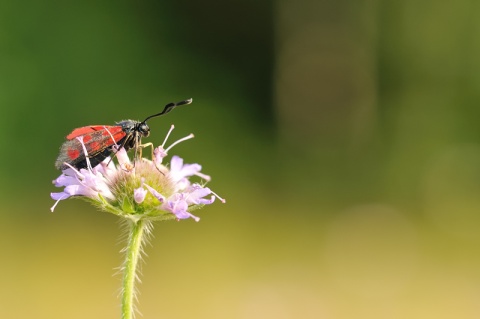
x=100 y=139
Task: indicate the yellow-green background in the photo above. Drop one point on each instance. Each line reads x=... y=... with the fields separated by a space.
x=344 y=135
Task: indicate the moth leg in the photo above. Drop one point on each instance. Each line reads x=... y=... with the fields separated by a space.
x=142 y=146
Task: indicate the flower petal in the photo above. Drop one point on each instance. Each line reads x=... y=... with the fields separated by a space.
x=177 y=205
x=176 y=163
x=156 y=194
x=159 y=154
x=139 y=194
x=197 y=194
x=122 y=157
x=59 y=196
x=64 y=180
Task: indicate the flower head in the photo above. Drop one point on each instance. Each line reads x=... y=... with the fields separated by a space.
x=144 y=189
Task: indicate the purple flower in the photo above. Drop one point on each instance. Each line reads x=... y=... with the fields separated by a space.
x=84 y=182
x=139 y=194
x=144 y=189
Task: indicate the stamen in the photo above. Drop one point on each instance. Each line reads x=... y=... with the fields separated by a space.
x=168 y=134
x=80 y=139
x=179 y=141
x=110 y=135
x=55 y=205
x=197 y=219
x=216 y=195
x=75 y=170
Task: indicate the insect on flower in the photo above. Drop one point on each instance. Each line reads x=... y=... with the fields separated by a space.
x=99 y=140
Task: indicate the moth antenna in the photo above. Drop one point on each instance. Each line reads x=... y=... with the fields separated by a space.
x=168 y=108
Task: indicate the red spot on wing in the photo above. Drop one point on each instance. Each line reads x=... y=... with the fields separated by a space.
x=95 y=147
x=87 y=138
x=73 y=153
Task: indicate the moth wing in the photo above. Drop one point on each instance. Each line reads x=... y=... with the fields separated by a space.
x=87 y=130
x=70 y=152
x=97 y=140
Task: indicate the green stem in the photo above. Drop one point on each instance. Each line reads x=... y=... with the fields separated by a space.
x=132 y=255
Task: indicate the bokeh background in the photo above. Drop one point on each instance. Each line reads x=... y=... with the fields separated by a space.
x=343 y=134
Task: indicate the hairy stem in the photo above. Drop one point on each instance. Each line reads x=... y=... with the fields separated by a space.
x=136 y=237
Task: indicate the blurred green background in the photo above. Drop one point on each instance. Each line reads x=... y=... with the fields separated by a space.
x=343 y=134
